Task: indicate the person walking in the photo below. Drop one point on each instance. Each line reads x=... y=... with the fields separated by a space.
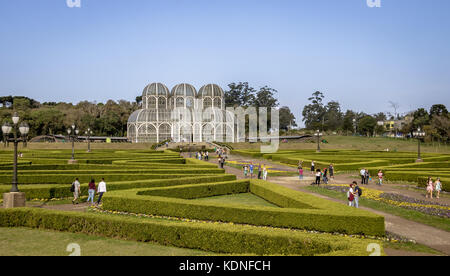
x=260 y=172
x=76 y=189
x=380 y=177
x=313 y=167
x=438 y=187
x=325 y=176
x=245 y=168
x=351 y=196
x=318 y=176
x=101 y=190
x=91 y=192
x=366 y=177
x=362 y=173
x=357 y=193
x=300 y=172
x=331 y=170
x=430 y=188
x=265 y=173
x=207 y=156
x=251 y=170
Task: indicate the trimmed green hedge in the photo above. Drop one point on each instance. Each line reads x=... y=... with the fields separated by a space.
x=63 y=191
x=315 y=214
x=200 y=191
x=233 y=239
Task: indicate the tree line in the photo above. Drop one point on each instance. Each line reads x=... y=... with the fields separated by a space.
x=319 y=115
x=51 y=118
x=110 y=118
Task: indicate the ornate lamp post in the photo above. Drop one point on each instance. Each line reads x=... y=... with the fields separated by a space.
x=89 y=134
x=24 y=130
x=74 y=133
x=318 y=135
x=6 y=129
x=419 y=135
x=15 y=198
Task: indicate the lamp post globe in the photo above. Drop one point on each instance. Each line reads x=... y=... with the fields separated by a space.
x=6 y=129
x=74 y=131
x=318 y=135
x=419 y=134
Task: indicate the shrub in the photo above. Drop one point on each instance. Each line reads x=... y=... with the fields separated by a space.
x=312 y=213
x=233 y=239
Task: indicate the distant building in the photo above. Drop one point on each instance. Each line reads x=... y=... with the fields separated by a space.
x=181 y=115
x=394 y=127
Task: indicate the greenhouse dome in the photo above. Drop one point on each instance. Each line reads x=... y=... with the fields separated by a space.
x=182 y=115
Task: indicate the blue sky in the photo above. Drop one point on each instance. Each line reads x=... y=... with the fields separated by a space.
x=110 y=49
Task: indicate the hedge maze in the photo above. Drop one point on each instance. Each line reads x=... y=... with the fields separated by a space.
x=152 y=196
x=397 y=166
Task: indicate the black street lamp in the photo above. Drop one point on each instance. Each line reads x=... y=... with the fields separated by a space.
x=74 y=133
x=23 y=129
x=318 y=135
x=89 y=134
x=354 y=126
x=419 y=135
x=6 y=129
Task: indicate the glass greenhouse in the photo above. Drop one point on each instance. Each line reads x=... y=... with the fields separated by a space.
x=181 y=115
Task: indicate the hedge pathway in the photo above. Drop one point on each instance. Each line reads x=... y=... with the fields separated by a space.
x=423 y=234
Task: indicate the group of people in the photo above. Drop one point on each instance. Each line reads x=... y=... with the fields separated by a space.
x=249 y=171
x=322 y=175
x=202 y=155
x=432 y=187
x=101 y=190
x=366 y=177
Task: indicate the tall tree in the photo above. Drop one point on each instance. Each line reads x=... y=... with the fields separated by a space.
x=366 y=125
x=438 y=110
x=287 y=119
x=421 y=118
x=333 y=116
x=313 y=114
x=240 y=94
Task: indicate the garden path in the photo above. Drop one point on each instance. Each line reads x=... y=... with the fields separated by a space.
x=432 y=237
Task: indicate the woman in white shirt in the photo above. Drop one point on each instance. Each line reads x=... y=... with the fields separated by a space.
x=101 y=190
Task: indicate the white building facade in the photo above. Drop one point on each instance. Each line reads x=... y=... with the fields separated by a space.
x=181 y=115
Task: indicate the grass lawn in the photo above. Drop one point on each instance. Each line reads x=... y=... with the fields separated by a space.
x=441 y=223
x=355 y=143
x=31 y=242
x=243 y=199
x=409 y=246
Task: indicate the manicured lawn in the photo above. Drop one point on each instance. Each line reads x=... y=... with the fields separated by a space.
x=355 y=143
x=409 y=246
x=30 y=242
x=243 y=199
x=441 y=223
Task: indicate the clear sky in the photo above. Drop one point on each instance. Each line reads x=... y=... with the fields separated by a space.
x=111 y=49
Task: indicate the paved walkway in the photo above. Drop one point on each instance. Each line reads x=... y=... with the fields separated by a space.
x=423 y=234
x=432 y=237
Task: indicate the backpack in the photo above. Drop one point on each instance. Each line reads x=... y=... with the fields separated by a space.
x=72 y=188
x=360 y=192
